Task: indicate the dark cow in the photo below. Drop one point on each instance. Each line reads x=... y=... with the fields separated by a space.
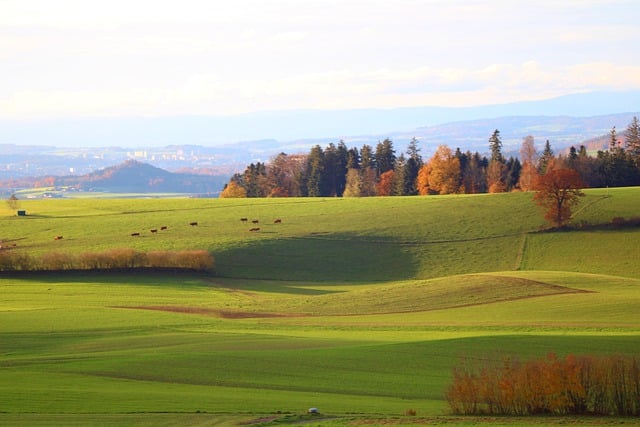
x=135 y=234
x=243 y=219
x=255 y=221
x=164 y=227
x=154 y=230
x=58 y=238
x=277 y=221
x=255 y=229
x=193 y=224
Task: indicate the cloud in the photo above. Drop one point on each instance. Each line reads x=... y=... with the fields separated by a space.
x=73 y=57
x=336 y=89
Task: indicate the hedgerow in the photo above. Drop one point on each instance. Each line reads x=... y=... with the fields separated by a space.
x=112 y=259
x=578 y=385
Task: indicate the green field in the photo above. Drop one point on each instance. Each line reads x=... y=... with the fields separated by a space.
x=359 y=307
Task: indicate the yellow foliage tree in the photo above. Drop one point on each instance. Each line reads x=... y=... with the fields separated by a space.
x=233 y=190
x=422 y=181
x=444 y=177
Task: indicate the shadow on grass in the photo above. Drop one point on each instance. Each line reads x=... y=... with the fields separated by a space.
x=150 y=277
x=332 y=258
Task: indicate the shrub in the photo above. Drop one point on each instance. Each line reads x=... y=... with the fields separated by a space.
x=573 y=385
x=112 y=259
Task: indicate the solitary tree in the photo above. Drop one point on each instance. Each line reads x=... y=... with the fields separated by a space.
x=557 y=192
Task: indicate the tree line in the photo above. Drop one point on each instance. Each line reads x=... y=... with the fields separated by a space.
x=340 y=171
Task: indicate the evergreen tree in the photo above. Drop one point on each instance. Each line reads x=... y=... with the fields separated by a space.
x=514 y=167
x=353 y=159
x=496 y=172
x=385 y=156
x=329 y=182
x=495 y=145
x=619 y=168
x=368 y=171
x=546 y=158
x=315 y=171
x=254 y=180
x=412 y=167
x=341 y=162
x=399 y=177
x=632 y=137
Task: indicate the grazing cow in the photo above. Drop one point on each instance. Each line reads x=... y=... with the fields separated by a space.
x=57 y=238
x=154 y=230
x=164 y=227
x=277 y=221
x=243 y=219
x=193 y=224
x=255 y=229
x=255 y=221
x=135 y=234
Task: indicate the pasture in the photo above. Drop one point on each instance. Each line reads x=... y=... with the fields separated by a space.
x=359 y=307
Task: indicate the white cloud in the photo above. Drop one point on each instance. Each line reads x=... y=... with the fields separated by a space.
x=73 y=57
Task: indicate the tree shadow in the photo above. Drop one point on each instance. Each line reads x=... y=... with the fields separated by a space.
x=327 y=258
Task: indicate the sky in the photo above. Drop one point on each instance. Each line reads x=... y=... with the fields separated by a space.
x=150 y=58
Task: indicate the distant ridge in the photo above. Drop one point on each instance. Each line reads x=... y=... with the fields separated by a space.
x=291 y=125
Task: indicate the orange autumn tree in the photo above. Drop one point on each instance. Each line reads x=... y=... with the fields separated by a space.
x=558 y=191
x=385 y=184
x=422 y=181
x=443 y=172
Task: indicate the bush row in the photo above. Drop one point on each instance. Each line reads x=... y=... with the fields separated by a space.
x=112 y=259
x=574 y=385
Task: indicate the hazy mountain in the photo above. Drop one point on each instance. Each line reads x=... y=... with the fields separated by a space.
x=137 y=177
x=291 y=125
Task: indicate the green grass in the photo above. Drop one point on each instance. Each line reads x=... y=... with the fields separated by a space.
x=360 y=307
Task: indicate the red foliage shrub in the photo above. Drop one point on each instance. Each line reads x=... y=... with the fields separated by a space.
x=573 y=385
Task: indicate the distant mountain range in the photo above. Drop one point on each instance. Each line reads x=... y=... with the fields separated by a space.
x=206 y=151
x=292 y=125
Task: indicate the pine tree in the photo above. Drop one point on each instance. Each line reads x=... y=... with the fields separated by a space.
x=342 y=160
x=385 y=156
x=315 y=165
x=632 y=137
x=495 y=145
x=412 y=167
x=496 y=172
x=399 y=177
x=368 y=171
x=546 y=158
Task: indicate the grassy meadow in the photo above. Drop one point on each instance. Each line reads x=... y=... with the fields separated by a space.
x=359 y=307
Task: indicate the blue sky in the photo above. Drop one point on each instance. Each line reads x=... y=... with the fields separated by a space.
x=83 y=58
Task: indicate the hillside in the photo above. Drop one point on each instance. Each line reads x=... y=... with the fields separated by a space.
x=360 y=307
x=137 y=177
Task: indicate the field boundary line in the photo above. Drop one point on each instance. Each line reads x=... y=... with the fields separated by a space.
x=591 y=203
x=521 y=251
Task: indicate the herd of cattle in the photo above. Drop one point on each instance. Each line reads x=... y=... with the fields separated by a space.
x=163 y=228
x=195 y=224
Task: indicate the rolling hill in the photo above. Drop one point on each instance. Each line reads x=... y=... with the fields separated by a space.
x=359 y=307
x=137 y=177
